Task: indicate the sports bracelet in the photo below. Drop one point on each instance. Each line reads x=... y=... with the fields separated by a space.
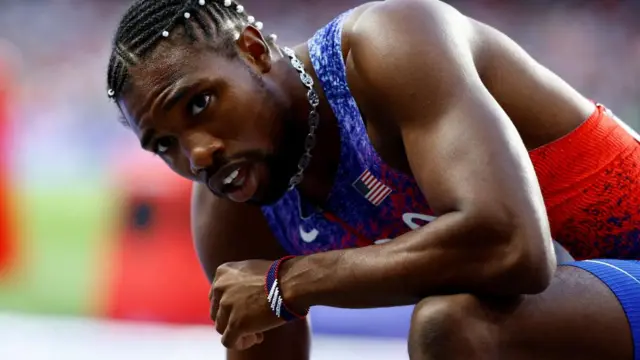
x=274 y=294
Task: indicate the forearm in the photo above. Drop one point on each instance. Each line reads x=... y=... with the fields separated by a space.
x=447 y=256
x=288 y=342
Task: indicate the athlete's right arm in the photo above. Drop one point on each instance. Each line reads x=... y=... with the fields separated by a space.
x=223 y=232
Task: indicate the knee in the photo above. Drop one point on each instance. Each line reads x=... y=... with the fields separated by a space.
x=443 y=316
x=450 y=327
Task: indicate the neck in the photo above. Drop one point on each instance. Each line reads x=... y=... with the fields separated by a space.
x=319 y=175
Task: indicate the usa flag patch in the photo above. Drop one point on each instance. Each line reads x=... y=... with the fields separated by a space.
x=371 y=188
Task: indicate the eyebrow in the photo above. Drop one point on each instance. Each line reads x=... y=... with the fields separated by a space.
x=176 y=96
x=173 y=99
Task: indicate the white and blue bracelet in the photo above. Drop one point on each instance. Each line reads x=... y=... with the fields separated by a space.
x=274 y=294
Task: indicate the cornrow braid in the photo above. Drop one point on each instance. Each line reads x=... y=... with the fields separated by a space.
x=147 y=22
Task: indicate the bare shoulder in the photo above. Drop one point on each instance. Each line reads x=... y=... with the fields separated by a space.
x=412 y=12
x=413 y=25
x=401 y=46
x=225 y=231
x=435 y=56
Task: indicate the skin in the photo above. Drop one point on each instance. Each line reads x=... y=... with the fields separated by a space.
x=433 y=82
x=215 y=247
x=576 y=317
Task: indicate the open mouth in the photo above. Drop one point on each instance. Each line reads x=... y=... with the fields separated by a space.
x=235 y=179
x=238 y=183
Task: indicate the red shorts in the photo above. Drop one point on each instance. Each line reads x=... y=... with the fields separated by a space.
x=591 y=188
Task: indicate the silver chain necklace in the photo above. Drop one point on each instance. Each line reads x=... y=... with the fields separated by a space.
x=314 y=117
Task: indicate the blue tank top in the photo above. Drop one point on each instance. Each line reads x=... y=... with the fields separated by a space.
x=369 y=203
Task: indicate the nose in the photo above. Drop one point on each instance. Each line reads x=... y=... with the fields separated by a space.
x=200 y=149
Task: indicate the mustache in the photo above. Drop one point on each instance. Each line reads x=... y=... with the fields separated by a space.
x=219 y=161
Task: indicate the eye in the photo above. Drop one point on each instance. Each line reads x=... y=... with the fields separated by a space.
x=199 y=103
x=162 y=145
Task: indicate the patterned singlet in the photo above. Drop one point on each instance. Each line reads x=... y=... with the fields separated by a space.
x=589 y=180
x=370 y=202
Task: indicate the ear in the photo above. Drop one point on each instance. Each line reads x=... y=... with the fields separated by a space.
x=255 y=48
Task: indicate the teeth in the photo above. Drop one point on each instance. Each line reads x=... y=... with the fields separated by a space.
x=230 y=178
x=238 y=182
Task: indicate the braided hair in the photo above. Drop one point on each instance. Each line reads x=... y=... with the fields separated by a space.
x=147 y=22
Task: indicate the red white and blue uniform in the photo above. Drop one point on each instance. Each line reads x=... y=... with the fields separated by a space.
x=589 y=180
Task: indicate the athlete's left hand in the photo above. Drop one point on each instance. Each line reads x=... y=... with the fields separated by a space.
x=239 y=304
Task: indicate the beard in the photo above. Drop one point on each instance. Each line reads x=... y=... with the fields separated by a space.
x=282 y=162
x=281 y=165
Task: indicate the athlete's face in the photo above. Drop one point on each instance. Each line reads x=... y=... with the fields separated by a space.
x=214 y=119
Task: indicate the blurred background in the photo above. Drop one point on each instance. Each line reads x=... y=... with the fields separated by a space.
x=95 y=251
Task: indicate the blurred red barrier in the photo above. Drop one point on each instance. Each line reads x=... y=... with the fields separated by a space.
x=156 y=275
x=6 y=231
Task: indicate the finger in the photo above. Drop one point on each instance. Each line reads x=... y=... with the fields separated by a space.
x=248 y=341
x=216 y=276
x=215 y=303
x=259 y=338
x=222 y=320
x=230 y=337
x=214 y=284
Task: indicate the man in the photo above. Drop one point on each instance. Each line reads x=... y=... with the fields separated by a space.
x=400 y=156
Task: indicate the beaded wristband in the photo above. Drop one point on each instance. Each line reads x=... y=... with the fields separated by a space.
x=274 y=294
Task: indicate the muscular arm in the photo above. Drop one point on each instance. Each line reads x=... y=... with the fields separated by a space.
x=417 y=57
x=221 y=234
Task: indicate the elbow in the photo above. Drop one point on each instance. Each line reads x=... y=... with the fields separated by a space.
x=529 y=261
x=532 y=270
x=523 y=258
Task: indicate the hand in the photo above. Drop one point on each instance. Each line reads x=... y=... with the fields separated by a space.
x=239 y=304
